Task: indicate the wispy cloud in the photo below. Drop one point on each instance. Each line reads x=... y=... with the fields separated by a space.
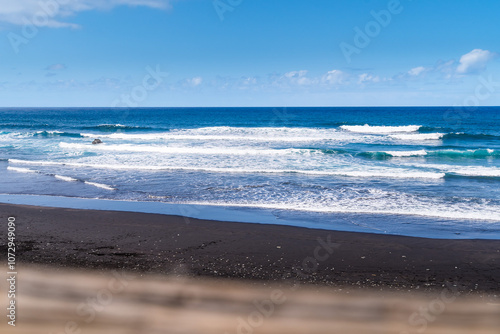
x=416 y=71
x=196 y=81
x=366 y=78
x=55 y=67
x=473 y=62
x=51 y=13
x=294 y=81
x=334 y=77
x=298 y=77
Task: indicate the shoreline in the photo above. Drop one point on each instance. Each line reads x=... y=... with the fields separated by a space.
x=422 y=226
x=166 y=244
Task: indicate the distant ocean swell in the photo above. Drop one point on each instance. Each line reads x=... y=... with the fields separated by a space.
x=214 y=142
x=118 y=131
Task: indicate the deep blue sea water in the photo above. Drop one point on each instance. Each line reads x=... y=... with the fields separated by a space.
x=414 y=171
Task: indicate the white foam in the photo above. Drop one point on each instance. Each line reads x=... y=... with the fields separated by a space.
x=99 y=185
x=237 y=134
x=374 y=173
x=229 y=133
x=182 y=150
x=467 y=152
x=60 y=177
x=406 y=153
x=418 y=136
x=463 y=170
x=372 y=201
x=399 y=174
x=8 y=136
x=440 y=211
x=21 y=170
x=50 y=132
x=32 y=162
x=65 y=178
x=112 y=125
x=169 y=136
x=380 y=129
x=471 y=171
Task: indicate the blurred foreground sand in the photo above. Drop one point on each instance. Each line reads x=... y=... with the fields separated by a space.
x=66 y=301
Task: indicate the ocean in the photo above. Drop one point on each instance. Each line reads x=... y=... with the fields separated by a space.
x=416 y=171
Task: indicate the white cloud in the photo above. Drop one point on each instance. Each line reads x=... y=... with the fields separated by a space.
x=296 y=74
x=474 y=61
x=365 y=77
x=298 y=77
x=196 y=81
x=416 y=71
x=334 y=77
x=48 y=13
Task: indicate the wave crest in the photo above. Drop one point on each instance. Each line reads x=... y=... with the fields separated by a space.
x=471 y=154
x=380 y=129
x=115 y=127
x=48 y=134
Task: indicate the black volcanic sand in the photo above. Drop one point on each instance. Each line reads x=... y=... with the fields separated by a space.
x=153 y=243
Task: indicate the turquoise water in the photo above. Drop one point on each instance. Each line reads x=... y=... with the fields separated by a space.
x=413 y=171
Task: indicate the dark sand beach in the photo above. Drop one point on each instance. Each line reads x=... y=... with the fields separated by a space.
x=83 y=271
x=160 y=244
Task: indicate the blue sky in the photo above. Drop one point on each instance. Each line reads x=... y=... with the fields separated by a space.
x=249 y=53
